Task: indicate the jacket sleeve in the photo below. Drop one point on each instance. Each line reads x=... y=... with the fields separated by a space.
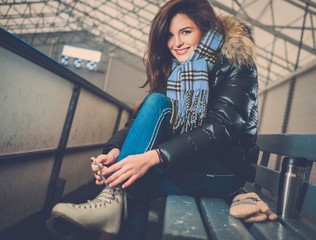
x=234 y=91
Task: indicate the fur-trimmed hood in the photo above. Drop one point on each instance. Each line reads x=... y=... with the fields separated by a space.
x=239 y=46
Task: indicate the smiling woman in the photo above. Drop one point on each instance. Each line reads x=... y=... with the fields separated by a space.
x=199 y=120
x=184 y=37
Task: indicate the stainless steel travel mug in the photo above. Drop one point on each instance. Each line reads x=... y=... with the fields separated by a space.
x=291 y=187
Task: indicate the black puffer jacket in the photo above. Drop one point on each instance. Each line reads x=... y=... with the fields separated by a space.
x=228 y=133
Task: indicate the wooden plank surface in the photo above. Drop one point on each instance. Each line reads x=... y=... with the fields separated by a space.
x=182 y=219
x=219 y=223
x=271 y=230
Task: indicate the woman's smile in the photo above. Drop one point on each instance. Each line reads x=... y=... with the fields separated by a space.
x=182 y=51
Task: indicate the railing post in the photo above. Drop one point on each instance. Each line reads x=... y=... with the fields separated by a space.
x=50 y=196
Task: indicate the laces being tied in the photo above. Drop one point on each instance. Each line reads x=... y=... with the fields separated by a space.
x=105 y=197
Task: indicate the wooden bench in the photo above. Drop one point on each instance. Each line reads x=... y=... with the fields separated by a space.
x=188 y=217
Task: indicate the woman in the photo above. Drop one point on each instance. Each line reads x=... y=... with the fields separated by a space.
x=194 y=133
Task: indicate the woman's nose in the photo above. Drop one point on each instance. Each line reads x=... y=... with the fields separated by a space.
x=178 y=41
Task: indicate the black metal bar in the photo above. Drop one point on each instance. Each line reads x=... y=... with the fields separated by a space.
x=265 y=159
x=22 y=157
x=288 y=106
x=62 y=146
x=262 y=108
x=118 y=120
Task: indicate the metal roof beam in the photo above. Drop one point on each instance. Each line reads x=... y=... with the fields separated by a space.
x=266 y=28
x=309 y=2
x=8 y=3
x=301 y=7
x=101 y=22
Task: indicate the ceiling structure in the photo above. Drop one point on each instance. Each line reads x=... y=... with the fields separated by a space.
x=284 y=30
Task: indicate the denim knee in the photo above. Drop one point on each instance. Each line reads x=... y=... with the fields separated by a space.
x=157 y=99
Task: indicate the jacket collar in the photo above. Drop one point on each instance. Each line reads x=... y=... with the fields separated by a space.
x=239 y=47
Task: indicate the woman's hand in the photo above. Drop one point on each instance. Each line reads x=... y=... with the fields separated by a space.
x=103 y=160
x=131 y=168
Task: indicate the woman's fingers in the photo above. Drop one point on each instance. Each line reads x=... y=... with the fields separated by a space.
x=125 y=174
x=98 y=177
x=113 y=168
x=95 y=165
x=116 y=174
x=125 y=180
x=99 y=182
x=129 y=182
x=119 y=179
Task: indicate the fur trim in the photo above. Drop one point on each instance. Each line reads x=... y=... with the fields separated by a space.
x=239 y=46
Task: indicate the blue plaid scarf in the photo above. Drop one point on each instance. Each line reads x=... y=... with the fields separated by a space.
x=188 y=87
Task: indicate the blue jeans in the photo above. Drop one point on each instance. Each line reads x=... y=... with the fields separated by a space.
x=152 y=126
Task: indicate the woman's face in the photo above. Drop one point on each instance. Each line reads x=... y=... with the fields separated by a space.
x=184 y=37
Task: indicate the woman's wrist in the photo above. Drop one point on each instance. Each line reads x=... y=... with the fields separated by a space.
x=153 y=157
x=161 y=161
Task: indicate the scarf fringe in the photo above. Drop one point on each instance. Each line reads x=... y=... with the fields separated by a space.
x=190 y=111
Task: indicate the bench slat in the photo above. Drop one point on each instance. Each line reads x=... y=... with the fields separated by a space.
x=182 y=219
x=221 y=225
x=294 y=145
x=271 y=230
x=301 y=227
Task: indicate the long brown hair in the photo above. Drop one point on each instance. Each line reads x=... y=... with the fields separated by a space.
x=158 y=59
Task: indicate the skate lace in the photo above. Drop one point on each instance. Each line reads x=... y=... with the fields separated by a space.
x=105 y=197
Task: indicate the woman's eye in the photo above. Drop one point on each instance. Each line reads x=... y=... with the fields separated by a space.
x=186 y=32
